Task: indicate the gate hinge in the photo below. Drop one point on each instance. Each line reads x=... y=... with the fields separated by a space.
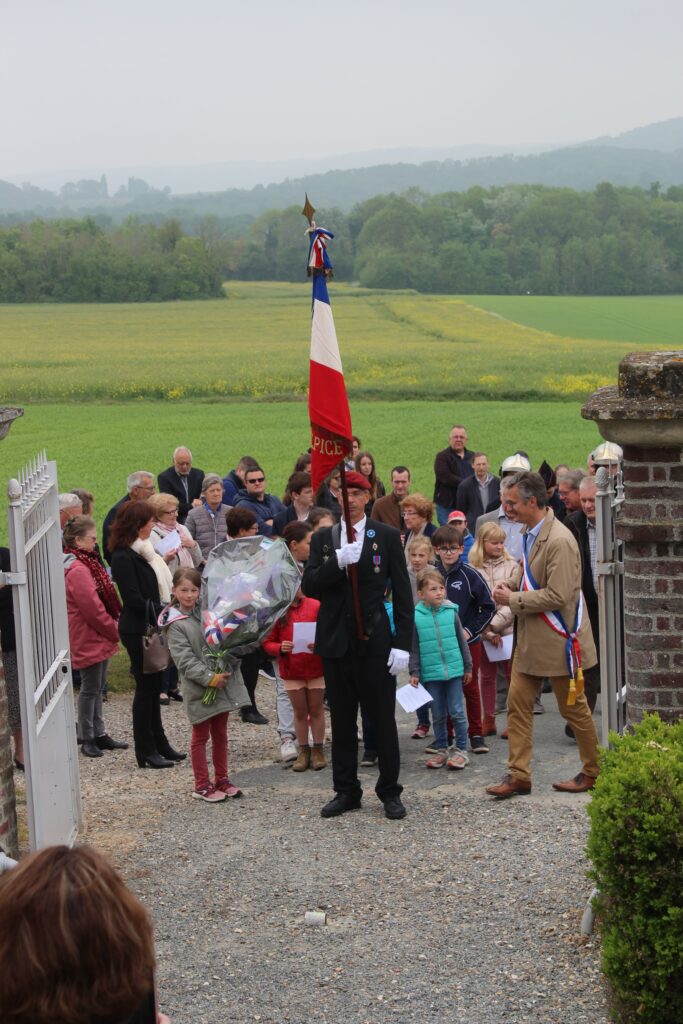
x=12 y=579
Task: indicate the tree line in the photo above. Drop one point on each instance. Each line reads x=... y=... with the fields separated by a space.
x=506 y=240
x=512 y=240
x=81 y=261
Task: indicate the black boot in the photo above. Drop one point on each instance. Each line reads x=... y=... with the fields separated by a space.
x=167 y=751
x=153 y=761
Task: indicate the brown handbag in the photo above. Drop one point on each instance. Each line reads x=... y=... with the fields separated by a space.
x=155 y=653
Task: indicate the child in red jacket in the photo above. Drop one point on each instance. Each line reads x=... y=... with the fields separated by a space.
x=302 y=675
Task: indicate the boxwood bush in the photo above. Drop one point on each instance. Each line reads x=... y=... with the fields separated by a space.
x=636 y=849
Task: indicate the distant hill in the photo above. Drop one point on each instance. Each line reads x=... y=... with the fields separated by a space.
x=665 y=136
x=579 y=167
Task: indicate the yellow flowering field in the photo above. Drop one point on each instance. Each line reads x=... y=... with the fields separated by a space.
x=253 y=346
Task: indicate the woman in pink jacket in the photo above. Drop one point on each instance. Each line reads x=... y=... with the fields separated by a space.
x=93 y=610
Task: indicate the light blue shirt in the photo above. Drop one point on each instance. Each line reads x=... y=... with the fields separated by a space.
x=529 y=538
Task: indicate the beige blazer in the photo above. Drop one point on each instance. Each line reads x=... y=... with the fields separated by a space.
x=555 y=564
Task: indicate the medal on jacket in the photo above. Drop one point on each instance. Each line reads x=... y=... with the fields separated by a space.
x=377 y=561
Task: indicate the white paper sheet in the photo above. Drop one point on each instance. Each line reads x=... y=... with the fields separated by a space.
x=304 y=634
x=502 y=653
x=171 y=542
x=412 y=697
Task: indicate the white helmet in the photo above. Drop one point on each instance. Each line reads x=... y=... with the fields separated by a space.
x=515 y=464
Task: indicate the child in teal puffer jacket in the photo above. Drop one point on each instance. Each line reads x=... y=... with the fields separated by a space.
x=441 y=661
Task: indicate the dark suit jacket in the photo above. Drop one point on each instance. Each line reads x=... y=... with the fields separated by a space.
x=106 y=526
x=169 y=483
x=468 y=499
x=577 y=524
x=450 y=470
x=137 y=583
x=324 y=580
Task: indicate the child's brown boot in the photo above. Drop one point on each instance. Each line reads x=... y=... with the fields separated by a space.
x=317 y=757
x=303 y=760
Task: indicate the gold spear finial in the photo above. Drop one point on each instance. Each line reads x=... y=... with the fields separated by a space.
x=308 y=210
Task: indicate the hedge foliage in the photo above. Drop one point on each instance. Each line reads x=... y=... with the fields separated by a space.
x=636 y=847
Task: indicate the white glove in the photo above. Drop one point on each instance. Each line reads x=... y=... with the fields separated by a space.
x=349 y=554
x=398 y=661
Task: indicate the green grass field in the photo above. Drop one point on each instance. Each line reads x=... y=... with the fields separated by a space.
x=651 y=321
x=254 y=346
x=109 y=389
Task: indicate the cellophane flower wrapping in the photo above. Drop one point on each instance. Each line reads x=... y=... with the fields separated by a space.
x=247 y=585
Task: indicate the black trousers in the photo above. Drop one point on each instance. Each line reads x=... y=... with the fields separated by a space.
x=354 y=680
x=148 y=732
x=250 y=665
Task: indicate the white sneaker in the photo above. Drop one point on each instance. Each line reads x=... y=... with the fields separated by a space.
x=288 y=749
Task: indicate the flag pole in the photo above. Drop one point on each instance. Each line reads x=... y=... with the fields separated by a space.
x=352 y=569
x=319 y=266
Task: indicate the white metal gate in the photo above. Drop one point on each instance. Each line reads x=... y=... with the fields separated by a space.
x=609 y=498
x=53 y=794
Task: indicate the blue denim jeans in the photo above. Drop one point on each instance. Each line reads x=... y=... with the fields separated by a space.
x=447 y=699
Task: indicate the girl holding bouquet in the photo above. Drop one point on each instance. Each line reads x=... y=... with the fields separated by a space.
x=208 y=714
x=302 y=674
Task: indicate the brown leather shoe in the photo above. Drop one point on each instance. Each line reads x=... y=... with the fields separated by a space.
x=579 y=784
x=318 y=757
x=509 y=786
x=489 y=726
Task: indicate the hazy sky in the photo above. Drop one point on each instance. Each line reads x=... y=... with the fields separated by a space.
x=99 y=86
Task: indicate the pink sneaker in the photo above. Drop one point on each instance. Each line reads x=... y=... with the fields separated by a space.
x=209 y=793
x=420 y=732
x=226 y=787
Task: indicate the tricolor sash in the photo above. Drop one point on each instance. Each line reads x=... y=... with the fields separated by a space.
x=559 y=626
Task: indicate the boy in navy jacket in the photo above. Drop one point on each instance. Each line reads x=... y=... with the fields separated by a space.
x=467 y=588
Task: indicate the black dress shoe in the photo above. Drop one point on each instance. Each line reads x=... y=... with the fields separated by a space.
x=176 y=695
x=393 y=808
x=153 y=761
x=107 y=743
x=340 y=804
x=171 y=755
x=90 y=749
x=253 y=717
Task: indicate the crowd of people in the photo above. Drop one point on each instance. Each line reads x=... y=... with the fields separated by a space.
x=440 y=599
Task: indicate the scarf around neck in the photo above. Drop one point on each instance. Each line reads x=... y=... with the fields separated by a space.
x=145 y=549
x=103 y=585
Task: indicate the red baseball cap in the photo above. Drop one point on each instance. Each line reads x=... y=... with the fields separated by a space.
x=456 y=515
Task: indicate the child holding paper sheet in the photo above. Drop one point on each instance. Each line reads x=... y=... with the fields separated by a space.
x=302 y=674
x=496 y=565
x=440 y=659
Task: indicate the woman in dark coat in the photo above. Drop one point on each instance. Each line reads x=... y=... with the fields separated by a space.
x=143 y=580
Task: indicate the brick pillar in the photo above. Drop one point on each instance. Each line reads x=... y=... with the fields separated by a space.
x=8 y=817
x=644 y=414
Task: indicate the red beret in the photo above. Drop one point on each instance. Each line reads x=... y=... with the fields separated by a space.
x=357 y=480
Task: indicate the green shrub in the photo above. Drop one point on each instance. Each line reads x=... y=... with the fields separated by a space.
x=636 y=847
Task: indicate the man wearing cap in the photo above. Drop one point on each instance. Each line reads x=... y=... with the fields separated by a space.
x=361 y=670
x=451 y=467
x=516 y=463
x=552 y=638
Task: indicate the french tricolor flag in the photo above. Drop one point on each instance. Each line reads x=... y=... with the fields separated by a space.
x=328 y=406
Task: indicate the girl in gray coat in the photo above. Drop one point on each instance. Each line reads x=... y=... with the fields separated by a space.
x=190 y=653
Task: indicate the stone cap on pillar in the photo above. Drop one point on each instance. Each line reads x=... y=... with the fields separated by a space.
x=646 y=406
x=8 y=414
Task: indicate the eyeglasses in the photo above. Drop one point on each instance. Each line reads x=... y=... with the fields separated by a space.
x=448 y=549
x=256 y=480
x=170 y=512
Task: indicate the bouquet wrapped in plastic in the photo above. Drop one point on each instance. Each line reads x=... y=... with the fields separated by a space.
x=247 y=585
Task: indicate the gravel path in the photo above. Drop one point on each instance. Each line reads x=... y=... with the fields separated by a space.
x=468 y=909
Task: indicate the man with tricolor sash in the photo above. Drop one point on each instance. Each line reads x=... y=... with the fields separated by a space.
x=553 y=637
